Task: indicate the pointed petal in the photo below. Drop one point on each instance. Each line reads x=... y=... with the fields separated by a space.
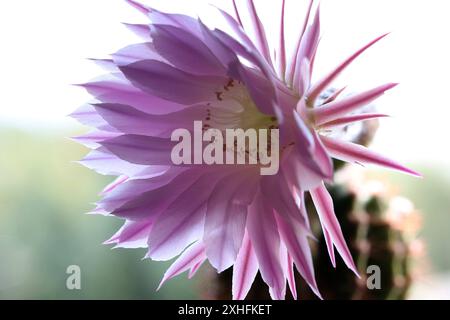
x=352 y=119
x=304 y=80
x=132 y=189
x=330 y=246
x=311 y=152
x=92 y=138
x=325 y=209
x=282 y=200
x=334 y=96
x=263 y=232
x=140 y=7
x=237 y=28
x=169 y=83
x=236 y=13
x=106 y=64
x=307 y=51
x=282 y=43
x=122 y=92
x=295 y=237
x=175 y=19
x=223 y=53
x=162 y=191
x=132 y=235
x=132 y=121
x=142 y=30
x=136 y=52
x=225 y=218
x=182 y=222
x=195 y=268
x=320 y=86
x=334 y=110
x=260 y=88
x=88 y=116
x=105 y=163
x=288 y=266
x=301 y=203
x=141 y=150
x=293 y=60
x=185 y=51
x=291 y=277
x=351 y=152
x=117 y=182
x=261 y=38
x=244 y=270
x=191 y=258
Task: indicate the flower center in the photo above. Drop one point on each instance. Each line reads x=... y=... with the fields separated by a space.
x=247 y=115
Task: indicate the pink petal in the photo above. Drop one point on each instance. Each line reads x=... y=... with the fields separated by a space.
x=225 y=218
x=351 y=152
x=136 y=52
x=130 y=120
x=191 y=258
x=301 y=203
x=86 y=115
x=119 y=90
x=293 y=60
x=106 y=64
x=308 y=48
x=291 y=277
x=288 y=265
x=244 y=270
x=334 y=96
x=236 y=13
x=330 y=246
x=237 y=28
x=140 y=7
x=132 y=235
x=282 y=200
x=263 y=232
x=106 y=163
x=185 y=50
x=304 y=80
x=169 y=83
x=142 y=30
x=295 y=237
x=177 y=20
x=182 y=222
x=145 y=204
x=282 y=44
x=110 y=187
x=261 y=39
x=260 y=88
x=195 y=268
x=142 y=150
x=131 y=189
x=334 y=110
x=320 y=86
x=223 y=53
x=311 y=153
x=325 y=209
x=352 y=119
x=93 y=138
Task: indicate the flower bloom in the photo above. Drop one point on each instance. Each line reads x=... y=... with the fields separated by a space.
x=230 y=215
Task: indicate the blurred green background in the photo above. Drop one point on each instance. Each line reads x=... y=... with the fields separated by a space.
x=43 y=229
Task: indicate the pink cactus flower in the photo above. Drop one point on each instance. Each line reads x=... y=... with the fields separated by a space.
x=230 y=216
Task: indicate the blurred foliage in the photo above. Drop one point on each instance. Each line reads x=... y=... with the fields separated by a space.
x=43 y=229
x=431 y=196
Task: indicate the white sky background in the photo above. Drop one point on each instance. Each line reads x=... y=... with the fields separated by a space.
x=43 y=46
